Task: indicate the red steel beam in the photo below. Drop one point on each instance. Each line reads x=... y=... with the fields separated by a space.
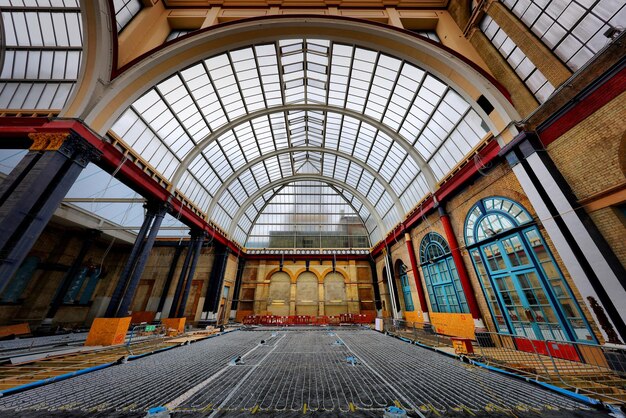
x=142 y=183
x=300 y=257
x=111 y=158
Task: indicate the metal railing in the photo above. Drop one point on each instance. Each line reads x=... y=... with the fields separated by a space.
x=420 y=332
x=597 y=371
x=145 y=332
x=593 y=370
x=502 y=351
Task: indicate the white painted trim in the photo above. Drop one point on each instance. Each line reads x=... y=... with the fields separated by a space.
x=560 y=243
x=594 y=256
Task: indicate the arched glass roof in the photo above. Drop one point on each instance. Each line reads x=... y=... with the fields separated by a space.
x=306 y=214
x=380 y=129
x=43 y=41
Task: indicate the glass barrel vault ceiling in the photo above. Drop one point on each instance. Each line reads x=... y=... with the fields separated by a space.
x=306 y=214
x=43 y=41
x=302 y=109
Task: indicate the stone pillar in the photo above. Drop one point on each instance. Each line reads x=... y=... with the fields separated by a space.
x=468 y=290
x=197 y=248
x=122 y=282
x=352 y=288
x=293 y=293
x=416 y=276
x=168 y=281
x=33 y=191
x=160 y=210
x=595 y=270
x=321 y=297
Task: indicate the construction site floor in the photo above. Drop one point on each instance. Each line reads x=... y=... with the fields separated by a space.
x=293 y=372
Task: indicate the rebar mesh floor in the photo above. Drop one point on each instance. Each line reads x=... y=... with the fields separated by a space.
x=36 y=342
x=354 y=372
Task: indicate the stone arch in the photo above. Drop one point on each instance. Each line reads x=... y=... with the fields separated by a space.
x=279 y=294
x=307 y=294
x=341 y=271
x=335 y=299
x=403 y=286
x=278 y=269
x=304 y=269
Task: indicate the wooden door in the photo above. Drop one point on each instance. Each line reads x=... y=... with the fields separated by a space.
x=192 y=301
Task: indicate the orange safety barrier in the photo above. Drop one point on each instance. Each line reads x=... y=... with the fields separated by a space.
x=308 y=319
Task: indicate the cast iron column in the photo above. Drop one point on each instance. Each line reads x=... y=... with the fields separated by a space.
x=199 y=240
x=211 y=301
x=168 y=280
x=377 y=301
x=240 y=268
x=181 y=279
x=160 y=212
x=34 y=190
x=122 y=282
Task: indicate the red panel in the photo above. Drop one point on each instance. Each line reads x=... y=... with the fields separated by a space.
x=584 y=108
x=558 y=350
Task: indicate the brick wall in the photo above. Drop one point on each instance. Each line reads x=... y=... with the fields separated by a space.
x=523 y=100
x=57 y=248
x=498 y=181
x=590 y=156
x=258 y=273
x=548 y=63
x=460 y=12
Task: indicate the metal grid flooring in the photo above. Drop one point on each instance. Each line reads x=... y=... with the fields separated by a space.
x=36 y=342
x=319 y=372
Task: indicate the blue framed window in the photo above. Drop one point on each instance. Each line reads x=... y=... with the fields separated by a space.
x=14 y=289
x=524 y=287
x=441 y=277
x=82 y=286
x=406 y=289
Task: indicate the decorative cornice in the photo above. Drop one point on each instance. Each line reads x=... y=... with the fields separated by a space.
x=47 y=141
x=69 y=143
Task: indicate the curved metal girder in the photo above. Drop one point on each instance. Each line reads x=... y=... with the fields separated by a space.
x=96 y=60
x=224 y=186
x=304 y=177
x=281 y=188
x=395 y=136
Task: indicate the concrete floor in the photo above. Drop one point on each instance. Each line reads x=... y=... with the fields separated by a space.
x=317 y=372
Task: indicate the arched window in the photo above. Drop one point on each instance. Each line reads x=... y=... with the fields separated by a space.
x=442 y=280
x=405 y=285
x=525 y=289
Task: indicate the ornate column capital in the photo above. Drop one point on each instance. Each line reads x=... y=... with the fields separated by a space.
x=198 y=234
x=158 y=208
x=70 y=144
